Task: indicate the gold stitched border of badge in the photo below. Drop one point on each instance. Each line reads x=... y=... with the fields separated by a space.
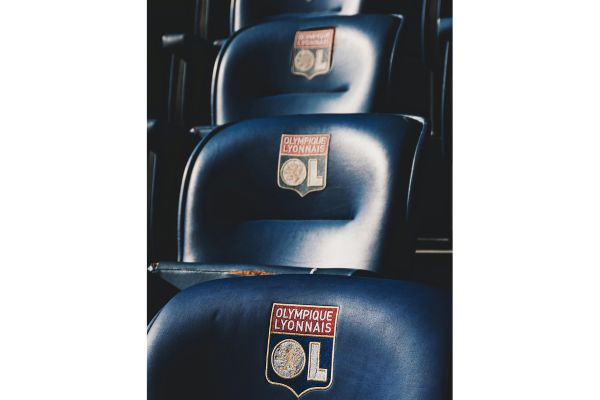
x=292 y=334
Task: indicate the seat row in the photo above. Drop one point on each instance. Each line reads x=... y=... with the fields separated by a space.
x=298 y=66
x=197 y=33
x=255 y=76
x=303 y=190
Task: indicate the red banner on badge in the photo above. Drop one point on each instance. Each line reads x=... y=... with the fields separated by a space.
x=304 y=145
x=322 y=38
x=304 y=320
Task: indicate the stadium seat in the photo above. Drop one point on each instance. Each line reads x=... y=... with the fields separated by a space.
x=350 y=209
x=254 y=77
x=191 y=58
x=245 y=13
x=215 y=21
x=302 y=336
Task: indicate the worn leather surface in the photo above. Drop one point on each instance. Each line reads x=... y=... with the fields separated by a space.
x=232 y=210
x=393 y=339
x=184 y=275
x=253 y=71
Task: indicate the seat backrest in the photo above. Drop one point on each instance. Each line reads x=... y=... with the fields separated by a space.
x=419 y=16
x=343 y=64
x=357 y=212
x=251 y=12
x=245 y=13
x=269 y=338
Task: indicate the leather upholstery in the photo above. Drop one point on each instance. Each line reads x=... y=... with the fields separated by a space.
x=253 y=71
x=251 y=12
x=245 y=13
x=184 y=275
x=393 y=339
x=445 y=49
x=232 y=210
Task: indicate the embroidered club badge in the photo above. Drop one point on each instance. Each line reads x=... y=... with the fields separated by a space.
x=301 y=347
x=312 y=53
x=302 y=163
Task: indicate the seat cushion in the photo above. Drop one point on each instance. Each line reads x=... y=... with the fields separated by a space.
x=222 y=340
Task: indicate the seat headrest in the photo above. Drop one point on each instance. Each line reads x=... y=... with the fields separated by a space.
x=250 y=12
x=245 y=13
x=340 y=64
x=252 y=196
x=331 y=337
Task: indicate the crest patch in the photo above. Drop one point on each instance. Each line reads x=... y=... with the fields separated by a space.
x=302 y=163
x=313 y=51
x=301 y=347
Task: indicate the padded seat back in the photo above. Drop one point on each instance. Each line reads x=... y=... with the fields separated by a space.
x=254 y=74
x=219 y=340
x=234 y=210
x=245 y=13
x=251 y=12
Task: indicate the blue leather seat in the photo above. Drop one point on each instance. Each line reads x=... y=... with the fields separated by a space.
x=221 y=340
x=253 y=78
x=215 y=20
x=253 y=73
x=246 y=13
x=233 y=211
x=187 y=91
